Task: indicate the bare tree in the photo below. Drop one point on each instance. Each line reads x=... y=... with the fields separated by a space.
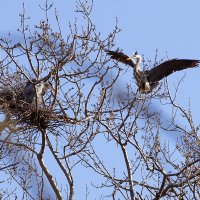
x=72 y=86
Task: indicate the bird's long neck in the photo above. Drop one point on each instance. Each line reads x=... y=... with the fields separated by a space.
x=137 y=64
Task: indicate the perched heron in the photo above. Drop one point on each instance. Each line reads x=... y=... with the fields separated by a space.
x=34 y=89
x=148 y=80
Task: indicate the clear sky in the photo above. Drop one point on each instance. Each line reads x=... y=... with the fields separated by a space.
x=172 y=27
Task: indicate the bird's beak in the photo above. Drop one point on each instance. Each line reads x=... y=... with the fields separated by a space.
x=129 y=58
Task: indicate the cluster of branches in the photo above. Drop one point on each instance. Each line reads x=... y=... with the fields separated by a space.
x=83 y=106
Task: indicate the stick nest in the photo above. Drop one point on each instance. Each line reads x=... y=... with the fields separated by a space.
x=12 y=103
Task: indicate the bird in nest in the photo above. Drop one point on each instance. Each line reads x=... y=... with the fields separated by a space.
x=34 y=89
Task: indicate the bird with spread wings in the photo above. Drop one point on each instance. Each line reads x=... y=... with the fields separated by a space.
x=149 y=79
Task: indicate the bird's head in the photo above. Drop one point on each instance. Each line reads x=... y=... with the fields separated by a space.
x=42 y=87
x=30 y=82
x=136 y=57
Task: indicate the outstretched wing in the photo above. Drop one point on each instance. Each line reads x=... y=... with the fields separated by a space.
x=168 y=67
x=120 y=57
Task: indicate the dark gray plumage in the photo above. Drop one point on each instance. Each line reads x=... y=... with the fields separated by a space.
x=33 y=89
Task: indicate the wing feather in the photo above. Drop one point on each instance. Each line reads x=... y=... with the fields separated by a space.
x=120 y=57
x=168 y=67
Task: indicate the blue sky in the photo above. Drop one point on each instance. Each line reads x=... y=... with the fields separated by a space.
x=169 y=26
x=172 y=27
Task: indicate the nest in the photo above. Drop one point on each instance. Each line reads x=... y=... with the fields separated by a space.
x=12 y=104
x=29 y=115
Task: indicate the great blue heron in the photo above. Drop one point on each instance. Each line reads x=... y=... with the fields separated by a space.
x=34 y=89
x=148 y=80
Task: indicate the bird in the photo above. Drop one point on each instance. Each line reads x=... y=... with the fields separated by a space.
x=148 y=80
x=34 y=89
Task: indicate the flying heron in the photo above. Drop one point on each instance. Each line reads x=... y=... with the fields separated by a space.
x=149 y=79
